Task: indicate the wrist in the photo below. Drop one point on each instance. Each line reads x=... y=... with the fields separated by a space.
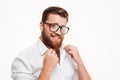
x=79 y=62
x=47 y=69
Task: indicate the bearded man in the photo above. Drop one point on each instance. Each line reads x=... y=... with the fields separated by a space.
x=49 y=59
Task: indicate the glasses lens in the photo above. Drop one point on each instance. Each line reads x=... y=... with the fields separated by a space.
x=54 y=27
x=64 y=30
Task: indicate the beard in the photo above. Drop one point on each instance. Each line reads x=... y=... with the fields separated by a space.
x=50 y=42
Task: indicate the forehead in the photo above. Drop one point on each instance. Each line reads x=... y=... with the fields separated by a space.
x=53 y=18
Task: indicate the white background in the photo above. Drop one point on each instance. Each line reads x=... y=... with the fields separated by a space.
x=94 y=29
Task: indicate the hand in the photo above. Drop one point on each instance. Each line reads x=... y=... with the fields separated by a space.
x=50 y=60
x=73 y=52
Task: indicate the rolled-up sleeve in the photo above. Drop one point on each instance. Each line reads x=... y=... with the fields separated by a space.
x=21 y=70
x=76 y=77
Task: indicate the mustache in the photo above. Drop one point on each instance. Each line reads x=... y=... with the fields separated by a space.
x=58 y=35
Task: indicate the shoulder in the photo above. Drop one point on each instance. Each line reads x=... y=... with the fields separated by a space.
x=29 y=56
x=29 y=52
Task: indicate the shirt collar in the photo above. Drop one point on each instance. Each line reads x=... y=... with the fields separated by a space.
x=43 y=48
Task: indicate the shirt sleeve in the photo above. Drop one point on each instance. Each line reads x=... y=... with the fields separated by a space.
x=76 y=77
x=21 y=70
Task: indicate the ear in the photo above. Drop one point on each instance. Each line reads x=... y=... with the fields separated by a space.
x=41 y=26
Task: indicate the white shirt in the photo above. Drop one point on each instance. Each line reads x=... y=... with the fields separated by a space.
x=28 y=64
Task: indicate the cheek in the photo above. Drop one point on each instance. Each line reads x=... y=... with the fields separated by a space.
x=46 y=31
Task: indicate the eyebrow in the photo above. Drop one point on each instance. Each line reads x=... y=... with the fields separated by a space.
x=56 y=24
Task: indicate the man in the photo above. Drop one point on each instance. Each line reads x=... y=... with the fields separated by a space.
x=49 y=59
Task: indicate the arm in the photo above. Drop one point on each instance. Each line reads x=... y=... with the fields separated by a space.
x=50 y=61
x=73 y=52
x=83 y=74
x=21 y=70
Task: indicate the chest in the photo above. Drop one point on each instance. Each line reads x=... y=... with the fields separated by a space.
x=64 y=71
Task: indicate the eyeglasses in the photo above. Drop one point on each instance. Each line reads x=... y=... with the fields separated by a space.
x=54 y=27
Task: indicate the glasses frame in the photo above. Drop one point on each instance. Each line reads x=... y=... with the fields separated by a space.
x=59 y=27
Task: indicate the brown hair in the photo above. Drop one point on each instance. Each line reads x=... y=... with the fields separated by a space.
x=54 y=10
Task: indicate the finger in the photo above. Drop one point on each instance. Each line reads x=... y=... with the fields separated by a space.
x=53 y=52
x=50 y=51
x=67 y=47
x=70 y=51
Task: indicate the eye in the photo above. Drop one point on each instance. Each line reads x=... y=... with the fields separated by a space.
x=54 y=27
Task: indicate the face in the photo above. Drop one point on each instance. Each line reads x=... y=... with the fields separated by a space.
x=53 y=39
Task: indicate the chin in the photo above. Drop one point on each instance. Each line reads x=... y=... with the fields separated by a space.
x=56 y=44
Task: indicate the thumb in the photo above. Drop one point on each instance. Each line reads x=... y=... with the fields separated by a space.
x=68 y=51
